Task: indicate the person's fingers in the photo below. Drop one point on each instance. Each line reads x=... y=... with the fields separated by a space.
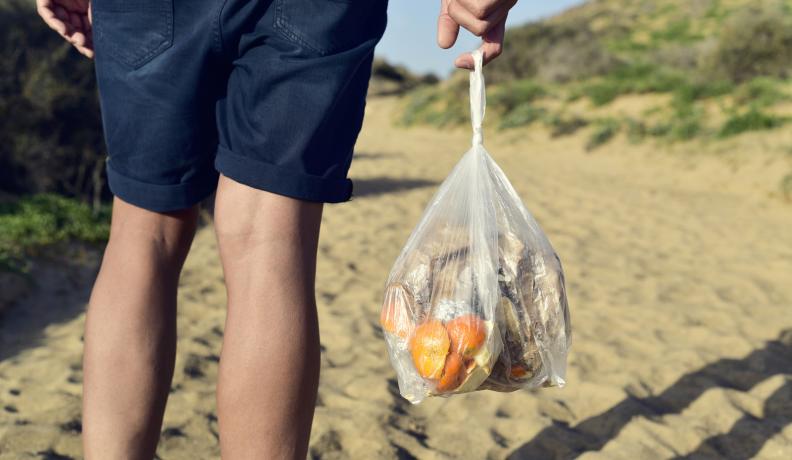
x=57 y=25
x=481 y=8
x=466 y=19
x=78 y=39
x=49 y=17
x=493 y=41
x=87 y=52
x=478 y=26
x=74 y=5
x=447 y=28
x=70 y=20
x=75 y=21
x=491 y=47
x=86 y=22
x=62 y=15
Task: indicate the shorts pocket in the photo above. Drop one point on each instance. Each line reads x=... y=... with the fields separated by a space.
x=326 y=27
x=132 y=31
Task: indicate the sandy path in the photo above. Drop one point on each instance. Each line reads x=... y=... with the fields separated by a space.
x=679 y=270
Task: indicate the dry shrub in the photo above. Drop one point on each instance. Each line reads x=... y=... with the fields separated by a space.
x=552 y=53
x=756 y=41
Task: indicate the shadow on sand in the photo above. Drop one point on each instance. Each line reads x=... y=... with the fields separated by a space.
x=381 y=185
x=744 y=439
x=60 y=293
x=375 y=156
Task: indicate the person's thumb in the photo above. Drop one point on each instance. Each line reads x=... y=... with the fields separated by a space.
x=447 y=28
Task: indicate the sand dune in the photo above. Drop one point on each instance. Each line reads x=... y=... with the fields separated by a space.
x=679 y=269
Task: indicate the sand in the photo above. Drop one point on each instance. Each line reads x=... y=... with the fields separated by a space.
x=679 y=271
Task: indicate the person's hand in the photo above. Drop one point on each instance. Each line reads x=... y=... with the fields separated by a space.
x=484 y=18
x=71 y=19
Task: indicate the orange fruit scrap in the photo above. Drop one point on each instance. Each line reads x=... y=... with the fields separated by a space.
x=518 y=372
x=453 y=373
x=395 y=316
x=429 y=347
x=467 y=334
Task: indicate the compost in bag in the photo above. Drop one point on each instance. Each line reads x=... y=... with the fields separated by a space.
x=476 y=298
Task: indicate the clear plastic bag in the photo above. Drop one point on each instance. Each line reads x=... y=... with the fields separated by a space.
x=476 y=298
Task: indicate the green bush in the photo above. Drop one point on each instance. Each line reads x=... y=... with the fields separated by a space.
x=685 y=123
x=521 y=116
x=636 y=130
x=661 y=129
x=514 y=94
x=632 y=78
x=32 y=222
x=50 y=125
x=398 y=78
x=603 y=132
x=688 y=92
x=760 y=92
x=677 y=31
x=418 y=103
x=552 y=52
x=603 y=92
x=438 y=105
x=752 y=120
x=685 y=129
x=561 y=125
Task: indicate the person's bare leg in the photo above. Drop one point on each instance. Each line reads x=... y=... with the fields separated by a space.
x=269 y=365
x=130 y=332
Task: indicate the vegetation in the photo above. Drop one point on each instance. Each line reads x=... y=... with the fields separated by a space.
x=31 y=223
x=756 y=42
x=50 y=131
x=387 y=78
x=52 y=180
x=752 y=120
x=721 y=65
x=786 y=187
x=604 y=130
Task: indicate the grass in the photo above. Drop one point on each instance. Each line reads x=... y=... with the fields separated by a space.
x=760 y=92
x=522 y=103
x=515 y=94
x=31 y=223
x=786 y=187
x=641 y=78
x=519 y=103
x=752 y=120
x=636 y=130
x=603 y=92
x=677 y=31
x=686 y=120
x=561 y=125
x=689 y=92
x=522 y=116
x=418 y=103
x=438 y=105
x=604 y=130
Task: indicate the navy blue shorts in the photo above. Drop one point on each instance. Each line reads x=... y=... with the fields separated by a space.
x=270 y=93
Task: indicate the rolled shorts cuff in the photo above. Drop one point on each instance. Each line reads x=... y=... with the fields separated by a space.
x=159 y=197
x=271 y=178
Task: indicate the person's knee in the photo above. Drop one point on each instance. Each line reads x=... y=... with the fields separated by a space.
x=247 y=218
x=164 y=236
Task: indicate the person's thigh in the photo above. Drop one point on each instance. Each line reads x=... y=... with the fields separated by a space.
x=159 y=76
x=296 y=95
